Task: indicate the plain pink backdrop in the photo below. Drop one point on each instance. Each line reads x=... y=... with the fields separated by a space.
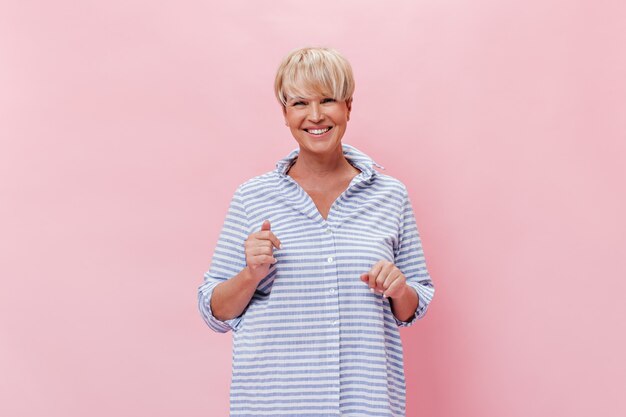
x=127 y=125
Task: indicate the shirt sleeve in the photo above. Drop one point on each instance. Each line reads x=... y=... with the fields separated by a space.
x=228 y=260
x=409 y=258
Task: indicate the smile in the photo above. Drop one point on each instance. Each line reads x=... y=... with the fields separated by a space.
x=318 y=131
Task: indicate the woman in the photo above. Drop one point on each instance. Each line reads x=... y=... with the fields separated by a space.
x=317 y=265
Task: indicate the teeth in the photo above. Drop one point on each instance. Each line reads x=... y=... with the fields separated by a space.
x=318 y=131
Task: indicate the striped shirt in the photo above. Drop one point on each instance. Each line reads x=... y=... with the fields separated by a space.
x=314 y=341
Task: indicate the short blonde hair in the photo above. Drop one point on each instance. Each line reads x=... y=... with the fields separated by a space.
x=306 y=72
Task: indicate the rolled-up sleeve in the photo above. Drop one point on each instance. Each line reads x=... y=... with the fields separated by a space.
x=409 y=258
x=228 y=260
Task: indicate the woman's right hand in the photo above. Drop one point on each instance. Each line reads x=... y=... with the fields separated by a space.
x=259 y=248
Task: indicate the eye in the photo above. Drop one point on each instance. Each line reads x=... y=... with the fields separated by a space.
x=328 y=100
x=298 y=103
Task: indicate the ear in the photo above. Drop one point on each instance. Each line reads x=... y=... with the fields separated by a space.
x=285 y=115
x=349 y=106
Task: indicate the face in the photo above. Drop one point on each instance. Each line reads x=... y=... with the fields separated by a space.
x=317 y=123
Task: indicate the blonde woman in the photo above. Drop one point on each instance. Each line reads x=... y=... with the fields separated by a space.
x=317 y=265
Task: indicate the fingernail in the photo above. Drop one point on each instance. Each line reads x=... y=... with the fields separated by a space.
x=384 y=295
x=372 y=290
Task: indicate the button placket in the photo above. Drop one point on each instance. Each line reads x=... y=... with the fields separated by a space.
x=332 y=279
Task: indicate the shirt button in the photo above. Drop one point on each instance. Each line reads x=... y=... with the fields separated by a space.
x=335 y=322
x=328 y=230
x=332 y=290
x=330 y=259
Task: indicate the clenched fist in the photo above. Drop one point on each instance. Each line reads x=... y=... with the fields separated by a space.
x=385 y=278
x=259 y=248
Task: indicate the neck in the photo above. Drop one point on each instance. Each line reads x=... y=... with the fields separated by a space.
x=311 y=165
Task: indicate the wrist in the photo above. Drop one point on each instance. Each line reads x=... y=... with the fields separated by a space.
x=247 y=274
x=251 y=275
x=402 y=293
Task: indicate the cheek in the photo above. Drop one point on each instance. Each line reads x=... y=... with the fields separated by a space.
x=341 y=117
x=293 y=119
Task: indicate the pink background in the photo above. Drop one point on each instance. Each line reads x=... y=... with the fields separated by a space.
x=127 y=125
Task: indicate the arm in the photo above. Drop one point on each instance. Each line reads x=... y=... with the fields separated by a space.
x=231 y=297
x=228 y=263
x=387 y=279
x=405 y=281
x=409 y=258
x=405 y=305
x=239 y=264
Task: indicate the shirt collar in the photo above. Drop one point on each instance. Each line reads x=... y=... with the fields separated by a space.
x=356 y=157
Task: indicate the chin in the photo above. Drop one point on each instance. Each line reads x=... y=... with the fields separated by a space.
x=321 y=145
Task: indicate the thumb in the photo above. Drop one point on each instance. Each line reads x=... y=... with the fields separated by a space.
x=266 y=225
x=365 y=277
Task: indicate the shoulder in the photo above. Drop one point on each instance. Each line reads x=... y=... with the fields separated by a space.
x=259 y=184
x=390 y=184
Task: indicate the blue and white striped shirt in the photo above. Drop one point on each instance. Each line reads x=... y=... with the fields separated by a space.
x=314 y=341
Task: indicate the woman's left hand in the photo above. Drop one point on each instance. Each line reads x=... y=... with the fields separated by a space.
x=385 y=278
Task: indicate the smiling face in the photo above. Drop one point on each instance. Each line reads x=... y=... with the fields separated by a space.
x=317 y=123
x=315 y=87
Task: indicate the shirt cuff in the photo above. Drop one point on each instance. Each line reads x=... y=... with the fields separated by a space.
x=422 y=306
x=205 y=292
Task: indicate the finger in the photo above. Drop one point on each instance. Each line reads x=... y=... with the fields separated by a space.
x=393 y=275
x=261 y=260
x=268 y=235
x=255 y=241
x=365 y=278
x=373 y=274
x=266 y=227
x=383 y=275
x=395 y=288
x=261 y=250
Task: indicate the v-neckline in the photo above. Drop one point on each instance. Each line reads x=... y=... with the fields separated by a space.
x=312 y=202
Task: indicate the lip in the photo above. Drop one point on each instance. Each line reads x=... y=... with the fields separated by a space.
x=323 y=135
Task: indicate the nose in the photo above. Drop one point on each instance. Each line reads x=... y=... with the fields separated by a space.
x=315 y=112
